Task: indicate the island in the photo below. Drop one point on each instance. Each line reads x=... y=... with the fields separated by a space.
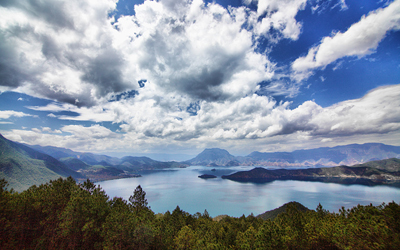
x=384 y=172
x=207 y=176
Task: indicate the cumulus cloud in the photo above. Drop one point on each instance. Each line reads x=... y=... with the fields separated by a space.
x=361 y=39
x=193 y=49
x=74 y=52
x=58 y=49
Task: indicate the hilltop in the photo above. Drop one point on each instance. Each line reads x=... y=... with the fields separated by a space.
x=214 y=157
x=272 y=214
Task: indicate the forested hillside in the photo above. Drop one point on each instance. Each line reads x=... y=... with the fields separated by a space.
x=23 y=167
x=65 y=215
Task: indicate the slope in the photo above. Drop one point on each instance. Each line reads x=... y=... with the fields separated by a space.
x=23 y=167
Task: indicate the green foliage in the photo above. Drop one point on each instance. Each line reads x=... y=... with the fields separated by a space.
x=138 y=199
x=66 y=215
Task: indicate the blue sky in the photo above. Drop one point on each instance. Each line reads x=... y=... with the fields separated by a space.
x=177 y=76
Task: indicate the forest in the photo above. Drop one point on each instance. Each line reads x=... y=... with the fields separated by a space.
x=63 y=214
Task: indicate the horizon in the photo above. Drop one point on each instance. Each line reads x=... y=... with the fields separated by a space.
x=176 y=77
x=182 y=157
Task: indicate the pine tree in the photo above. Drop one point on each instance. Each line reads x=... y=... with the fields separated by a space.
x=138 y=199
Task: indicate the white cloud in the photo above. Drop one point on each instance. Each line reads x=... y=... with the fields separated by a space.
x=197 y=50
x=95 y=113
x=73 y=52
x=6 y=114
x=280 y=16
x=361 y=39
x=49 y=130
x=376 y=112
x=254 y=121
x=91 y=139
x=342 y=4
x=58 y=49
x=87 y=133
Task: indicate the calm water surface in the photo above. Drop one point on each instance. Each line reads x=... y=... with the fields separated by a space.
x=166 y=189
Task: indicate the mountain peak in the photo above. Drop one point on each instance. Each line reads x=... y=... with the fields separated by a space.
x=216 y=156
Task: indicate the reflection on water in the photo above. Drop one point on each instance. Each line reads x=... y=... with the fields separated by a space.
x=168 y=188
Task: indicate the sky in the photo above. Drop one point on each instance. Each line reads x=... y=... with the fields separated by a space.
x=134 y=77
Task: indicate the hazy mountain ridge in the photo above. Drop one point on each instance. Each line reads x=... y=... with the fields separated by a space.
x=329 y=157
x=53 y=162
x=23 y=166
x=88 y=158
x=127 y=163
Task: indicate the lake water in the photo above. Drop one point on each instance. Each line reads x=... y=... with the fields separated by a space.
x=166 y=189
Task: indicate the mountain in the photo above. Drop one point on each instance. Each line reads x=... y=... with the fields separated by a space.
x=22 y=166
x=329 y=157
x=134 y=164
x=272 y=214
x=387 y=173
x=83 y=161
x=340 y=155
x=390 y=165
x=214 y=157
x=74 y=164
x=88 y=158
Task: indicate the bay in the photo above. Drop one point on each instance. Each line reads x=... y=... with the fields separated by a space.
x=166 y=189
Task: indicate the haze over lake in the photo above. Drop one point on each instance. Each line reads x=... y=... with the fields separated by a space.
x=166 y=189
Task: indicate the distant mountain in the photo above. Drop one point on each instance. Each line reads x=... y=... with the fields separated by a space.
x=88 y=158
x=214 y=157
x=22 y=166
x=340 y=155
x=272 y=214
x=130 y=164
x=385 y=172
x=134 y=164
x=74 y=163
x=319 y=157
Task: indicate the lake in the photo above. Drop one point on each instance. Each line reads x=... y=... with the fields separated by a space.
x=165 y=189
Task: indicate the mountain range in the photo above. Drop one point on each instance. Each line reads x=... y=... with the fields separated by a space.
x=24 y=165
x=319 y=157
